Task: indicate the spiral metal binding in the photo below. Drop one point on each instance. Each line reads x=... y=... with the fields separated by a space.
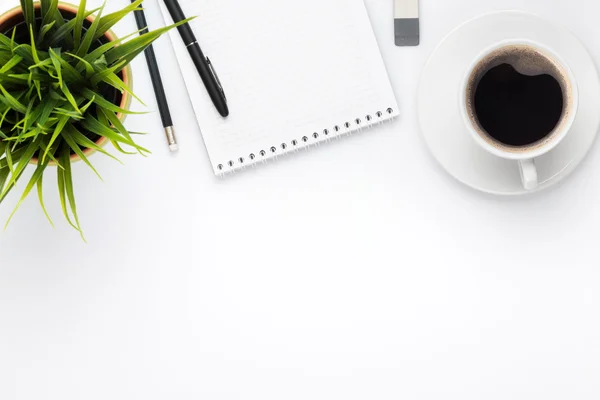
x=358 y=122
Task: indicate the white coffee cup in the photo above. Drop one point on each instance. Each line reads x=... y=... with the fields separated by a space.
x=528 y=58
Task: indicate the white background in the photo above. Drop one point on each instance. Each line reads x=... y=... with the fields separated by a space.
x=356 y=270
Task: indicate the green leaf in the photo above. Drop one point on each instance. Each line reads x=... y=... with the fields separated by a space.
x=57 y=95
x=40 y=190
x=91 y=32
x=16 y=155
x=12 y=39
x=78 y=29
x=54 y=56
x=100 y=62
x=101 y=51
x=3 y=135
x=89 y=69
x=87 y=105
x=38 y=87
x=73 y=145
x=69 y=96
x=113 y=80
x=28 y=12
x=5 y=55
x=62 y=122
x=9 y=161
x=103 y=120
x=62 y=190
x=10 y=64
x=118 y=126
x=68 y=185
x=120 y=149
x=69 y=73
x=41 y=64
x=3 y=177
x=140 y=43
x=86 y=142
x=58 y=18
x=43 y=110
x=93 y=125
x=23 y=162
x=105 y=104
x=11 y=101
x=45 y=30
x=108 y=21
x=34 y=52
x=24 y=50
x=31 y=76
x=5 y=41
x=10 y=80
x=27 y=118
x=29 y=134
x=68 y=113
x=62 y=34
x=37 y=175
x=102 y=73
x=50 y=151
x=49 y=9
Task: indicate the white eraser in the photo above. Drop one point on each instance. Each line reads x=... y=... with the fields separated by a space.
x=406 y=9
x=406 y=22
x=173 y=147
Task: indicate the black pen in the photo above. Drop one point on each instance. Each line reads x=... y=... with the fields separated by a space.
x=203 y=65
x=159 y=90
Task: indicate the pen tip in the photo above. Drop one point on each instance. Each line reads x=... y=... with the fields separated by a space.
x=224 y=110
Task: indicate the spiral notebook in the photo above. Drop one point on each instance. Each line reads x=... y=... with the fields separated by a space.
x=296 y=73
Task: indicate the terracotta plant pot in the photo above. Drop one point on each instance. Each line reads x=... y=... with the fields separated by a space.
x=13 y=18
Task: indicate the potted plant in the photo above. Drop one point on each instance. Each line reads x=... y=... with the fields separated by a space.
x=64 y=92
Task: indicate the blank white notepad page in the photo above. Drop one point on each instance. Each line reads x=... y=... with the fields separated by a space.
x=295 y=73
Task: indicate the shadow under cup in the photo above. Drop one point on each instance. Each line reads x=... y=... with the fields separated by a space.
x=519 y=99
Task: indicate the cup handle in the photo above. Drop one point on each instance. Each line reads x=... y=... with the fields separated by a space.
x=529 y=174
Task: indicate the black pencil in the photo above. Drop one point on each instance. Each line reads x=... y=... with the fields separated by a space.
x=159 y=90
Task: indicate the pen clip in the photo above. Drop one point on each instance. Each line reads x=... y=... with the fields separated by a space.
x=214 y=72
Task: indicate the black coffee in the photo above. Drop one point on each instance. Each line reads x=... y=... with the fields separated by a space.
x=516 y=109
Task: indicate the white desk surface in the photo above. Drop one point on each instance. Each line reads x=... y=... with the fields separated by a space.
x=357 y=270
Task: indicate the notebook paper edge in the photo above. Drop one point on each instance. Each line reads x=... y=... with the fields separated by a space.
x=291 y=149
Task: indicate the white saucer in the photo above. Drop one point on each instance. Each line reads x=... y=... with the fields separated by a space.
x=444 y=129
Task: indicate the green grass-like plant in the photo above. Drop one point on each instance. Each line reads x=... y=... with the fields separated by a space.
x=51 y=95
